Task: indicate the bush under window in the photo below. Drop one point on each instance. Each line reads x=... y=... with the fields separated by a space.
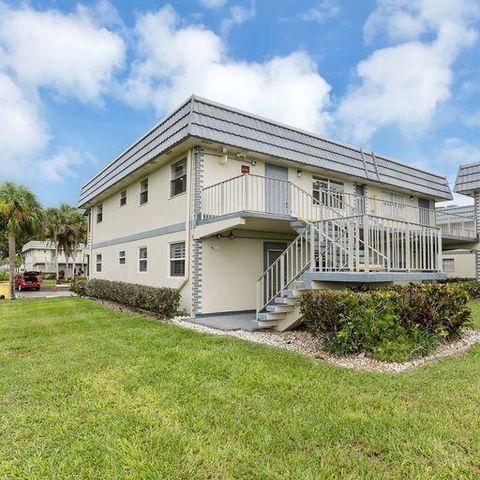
x=162 y=301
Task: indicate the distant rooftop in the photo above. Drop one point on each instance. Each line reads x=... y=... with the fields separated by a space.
x=468 y=179
x=44 y=245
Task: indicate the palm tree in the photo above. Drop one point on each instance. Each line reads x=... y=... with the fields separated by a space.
x=53 y=228
x=73 y=231
x=20 y=213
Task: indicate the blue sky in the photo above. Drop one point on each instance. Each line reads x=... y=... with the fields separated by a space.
x=79 y=82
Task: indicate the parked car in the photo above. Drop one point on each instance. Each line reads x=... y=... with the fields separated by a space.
x=28 y=280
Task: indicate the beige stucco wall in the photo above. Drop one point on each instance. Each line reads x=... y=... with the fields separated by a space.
x=464 y=264
x=158 y=273
x=230 y=269
x=161 y=210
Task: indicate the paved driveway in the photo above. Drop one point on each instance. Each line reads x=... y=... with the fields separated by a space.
x=44 y=292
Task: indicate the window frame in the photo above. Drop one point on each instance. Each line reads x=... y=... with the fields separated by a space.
x=451 y=262
x=99 y=213
x=98 y=262
x=175 y=177
x=143 y=191
x=122 y=257
x=335 y=197
x=172 y=259
x=123 y=198
x=142 y=259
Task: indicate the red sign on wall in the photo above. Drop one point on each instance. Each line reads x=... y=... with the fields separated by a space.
x=245 y=169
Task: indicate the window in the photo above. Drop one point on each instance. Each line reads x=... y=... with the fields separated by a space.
x=144 y=191
x=448 y=265
x=99 y=213
x=328 y=192
x=393 y=205
x=177 y=259
x=179 y=178
x=123 y=198
x=99 y=262
x=142 y=259
x=122 y=258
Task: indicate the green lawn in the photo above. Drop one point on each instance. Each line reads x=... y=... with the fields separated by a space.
x=91 y=393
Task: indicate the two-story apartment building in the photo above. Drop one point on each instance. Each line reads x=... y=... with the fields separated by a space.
x=39 y=256
x=240 y=213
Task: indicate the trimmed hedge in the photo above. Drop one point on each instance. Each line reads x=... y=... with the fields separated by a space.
x=394 y=324
x=162 y=301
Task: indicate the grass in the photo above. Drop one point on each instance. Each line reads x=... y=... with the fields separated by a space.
x=92 y=393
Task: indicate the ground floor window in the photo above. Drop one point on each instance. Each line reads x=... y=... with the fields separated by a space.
x=99 y=262
x=142 y=259
x=448 y=265
x=177 y=259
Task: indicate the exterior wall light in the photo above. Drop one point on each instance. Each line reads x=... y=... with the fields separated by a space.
x=299 y=173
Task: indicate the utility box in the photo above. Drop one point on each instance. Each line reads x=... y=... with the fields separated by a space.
x=5 y=291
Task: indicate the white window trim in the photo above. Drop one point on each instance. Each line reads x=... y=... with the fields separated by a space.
x=124 y=257
x=138 y=260
x=169 y=260
x=140 y=204
x=184 y=160
x=99 y=263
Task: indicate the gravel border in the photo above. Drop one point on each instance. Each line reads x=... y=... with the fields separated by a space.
x=300 y=341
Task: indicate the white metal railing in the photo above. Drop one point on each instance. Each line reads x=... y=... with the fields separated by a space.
x=255 y=193
x=360 y=243
x=456 y=225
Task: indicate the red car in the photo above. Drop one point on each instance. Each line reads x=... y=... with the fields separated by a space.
x=26 y=280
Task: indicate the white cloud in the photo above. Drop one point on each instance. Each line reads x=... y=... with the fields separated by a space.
x=67 y=52
x=212 y=3
x=22 y=129
x=403 y=85
x=72 y=54
x=176 y=61
x=238 y=15
x=63 y=165
x=324 y=10
x=456 y=151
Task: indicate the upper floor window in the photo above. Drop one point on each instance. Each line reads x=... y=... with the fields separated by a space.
x=177 y=259
x=123 y=198
x=328 y=192
x=99 y=213
x=179 y=178
x=144 y=191
x=122 y=258
x=142 y=259
x=393 y=205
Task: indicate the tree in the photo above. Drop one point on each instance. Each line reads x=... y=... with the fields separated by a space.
x=20 y=214
x=53 y=229
x=73 y=231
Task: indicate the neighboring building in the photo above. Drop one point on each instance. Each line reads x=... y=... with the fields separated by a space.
x=459 y=263
x=39 y=256
x=240 y=213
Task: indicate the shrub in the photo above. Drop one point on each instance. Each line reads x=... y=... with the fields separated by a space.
x=390 y=324
x=162 y=301
x=4 y=277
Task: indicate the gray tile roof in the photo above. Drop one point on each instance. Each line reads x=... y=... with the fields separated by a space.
x=468 y=179
x=207 y=120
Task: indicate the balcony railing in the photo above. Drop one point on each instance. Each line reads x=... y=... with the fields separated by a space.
x=353 y=244
x=254 y=193
x=456 y=225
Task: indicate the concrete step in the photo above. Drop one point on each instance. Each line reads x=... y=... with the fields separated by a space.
x=279 y=308
x=291 y=293
x=267 y=316
x=285 y=301
x=298 y=284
